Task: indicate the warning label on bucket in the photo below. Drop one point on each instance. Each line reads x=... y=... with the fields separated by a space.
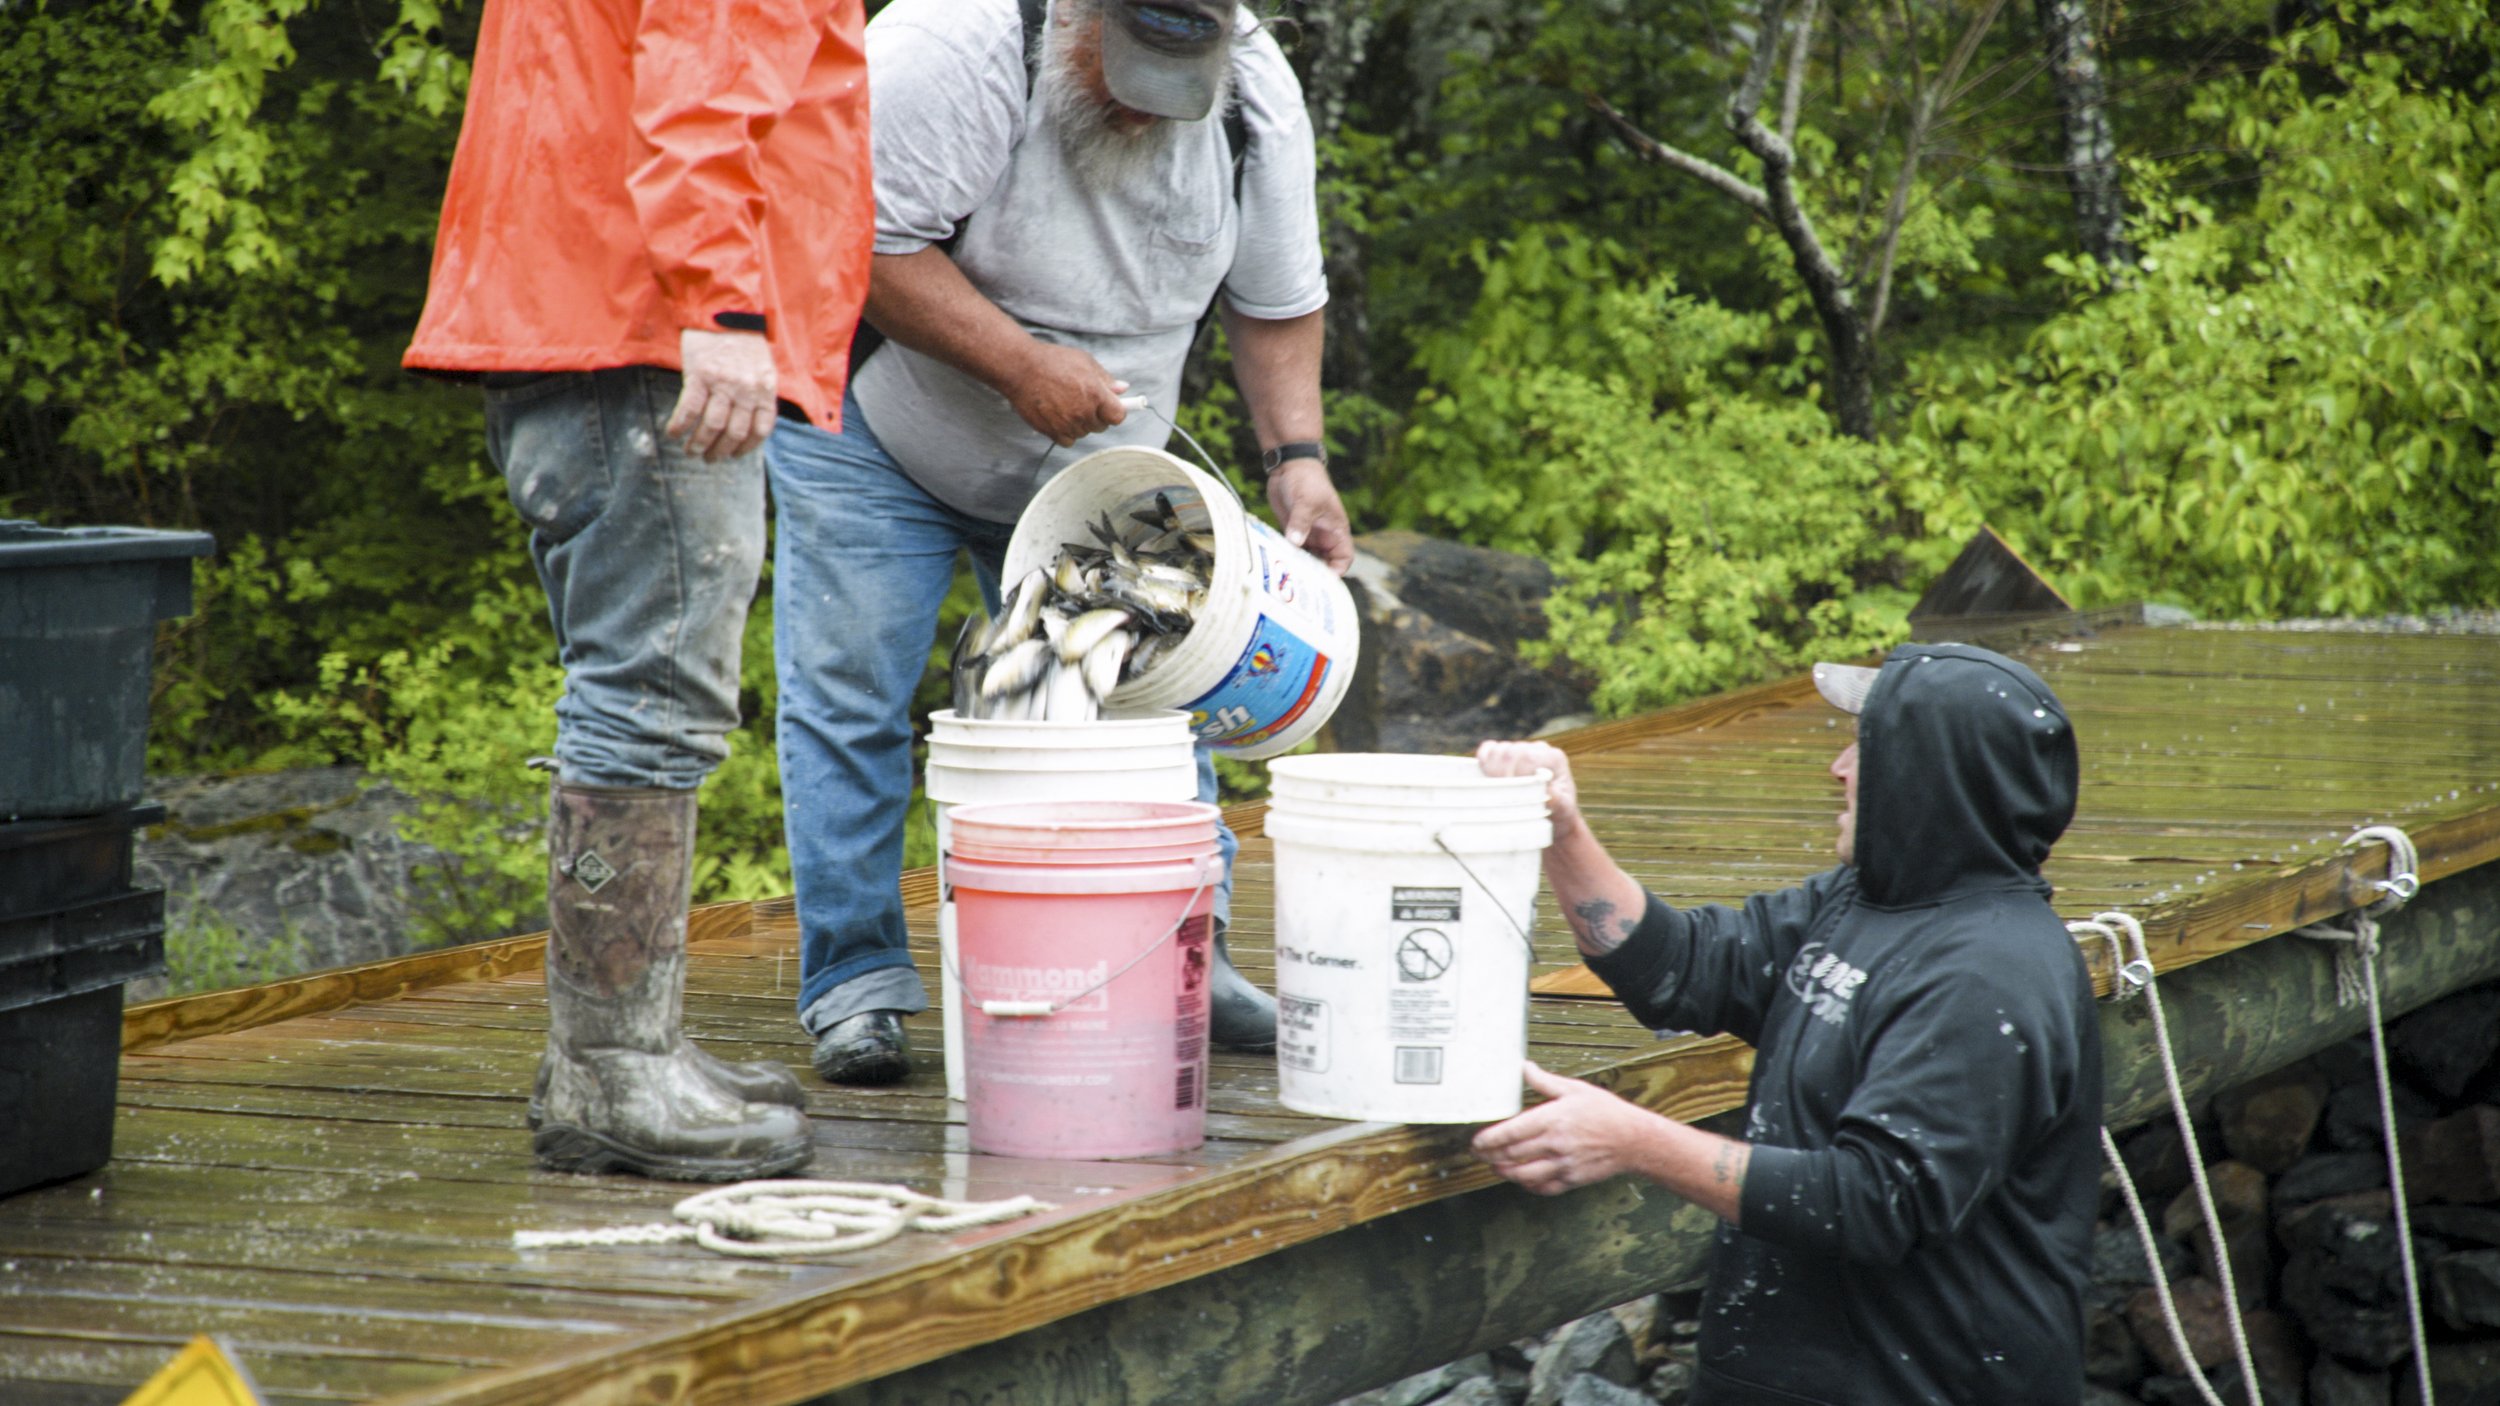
x=1423 y=905
x=1271 y=685
x=1302 y=1034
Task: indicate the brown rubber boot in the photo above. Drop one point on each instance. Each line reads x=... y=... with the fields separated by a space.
x=625 y=1091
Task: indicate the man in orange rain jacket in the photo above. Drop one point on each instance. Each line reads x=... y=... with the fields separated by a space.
x=655 y=242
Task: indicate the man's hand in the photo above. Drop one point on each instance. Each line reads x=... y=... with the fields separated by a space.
x=1562 y=795
x=728 y=402
x=1306 y=503
x=1581 y=1135
x=1065 y=394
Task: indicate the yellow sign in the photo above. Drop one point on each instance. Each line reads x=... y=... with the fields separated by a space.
x=199 y=1375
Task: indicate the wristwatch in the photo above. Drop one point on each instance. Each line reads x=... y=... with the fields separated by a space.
x=1270 y=461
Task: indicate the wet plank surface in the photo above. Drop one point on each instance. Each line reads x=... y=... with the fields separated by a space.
x=328 y=1172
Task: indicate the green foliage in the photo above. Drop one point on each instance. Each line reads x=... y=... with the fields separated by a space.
x=204 y=952
x=2289 y=413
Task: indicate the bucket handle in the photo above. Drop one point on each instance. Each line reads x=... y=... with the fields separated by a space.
x=1488 y=892
x=1001 y=1010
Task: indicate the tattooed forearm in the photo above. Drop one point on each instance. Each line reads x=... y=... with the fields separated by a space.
x=1594 y=923
x=1728 y=1168
x=1599 y=927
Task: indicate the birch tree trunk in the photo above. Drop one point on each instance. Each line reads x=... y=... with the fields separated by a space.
x=2074 y=66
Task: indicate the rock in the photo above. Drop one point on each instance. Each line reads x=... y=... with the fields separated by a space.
x=2239 y=1192
x=1644 y=1323
x=2466 y=1227
x=1511 y=1366
x=1590 y=1389
x=2465 y=1289
x=2118 y=1256
x=2331 y=1383
x=2156 y=1160
x=2201 y=1316
x=2111 y=1355
x=2180 y=1390
x=2352 y=1116
x=1426 y=1386
x=2274 y=1343
x=1440 y=668
x=2266 y=1122
x=2462 y=1374
x=2343 y=1280
x=1476 y=1391
x=2456 y=1158
x=1671 y=1384
x=2323 y=1174
x=299 y=869
x=2449 y=1044
x=1595 y=1344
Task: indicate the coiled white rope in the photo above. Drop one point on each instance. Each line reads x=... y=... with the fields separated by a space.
x=2138 y=974
x=2356 y=977
x=770 y=1219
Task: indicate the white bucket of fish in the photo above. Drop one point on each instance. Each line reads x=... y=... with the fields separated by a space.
x=1405 y=892
x=1146 y=757
x=1134 y=581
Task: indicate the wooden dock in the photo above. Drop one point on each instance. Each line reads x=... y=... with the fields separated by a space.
x=327 y=1173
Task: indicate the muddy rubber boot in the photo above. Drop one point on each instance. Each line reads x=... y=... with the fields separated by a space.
x=1239 y=1015
x=625 y=1091
x=756 y=1081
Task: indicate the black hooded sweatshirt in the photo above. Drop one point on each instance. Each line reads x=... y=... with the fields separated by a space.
x=1926 y=1096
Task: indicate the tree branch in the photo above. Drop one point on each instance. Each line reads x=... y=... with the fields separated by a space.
x=1795 y=94
x=1852 y=354
x=1649 y=148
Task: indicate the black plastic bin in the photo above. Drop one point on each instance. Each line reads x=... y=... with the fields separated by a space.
x=49 y=864
x=78 y=614
x=61 y=979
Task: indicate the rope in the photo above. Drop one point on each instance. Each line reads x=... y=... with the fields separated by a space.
x=2356 y=976
x=772 y=1219
x=2152 y=1263
x=2140 y=972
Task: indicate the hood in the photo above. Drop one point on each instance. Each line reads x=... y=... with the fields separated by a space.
x=1966 y=775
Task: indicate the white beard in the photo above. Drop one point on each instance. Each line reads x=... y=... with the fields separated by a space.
x=1100 y=155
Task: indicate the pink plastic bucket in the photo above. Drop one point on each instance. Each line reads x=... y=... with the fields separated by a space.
x=1085 y=977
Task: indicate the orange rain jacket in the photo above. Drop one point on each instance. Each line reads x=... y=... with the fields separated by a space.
x=629 y=168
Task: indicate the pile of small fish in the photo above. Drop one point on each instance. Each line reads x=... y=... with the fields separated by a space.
x=1100 y=615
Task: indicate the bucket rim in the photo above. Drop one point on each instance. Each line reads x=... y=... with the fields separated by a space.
x=1457 y=773
x=1129 y=720
x=1091 y=816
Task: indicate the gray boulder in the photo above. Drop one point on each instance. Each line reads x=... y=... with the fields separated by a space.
x=1440 y=669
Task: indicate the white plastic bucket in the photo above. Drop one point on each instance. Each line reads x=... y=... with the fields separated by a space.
x=1269 y=657
x=1143 y=757
x=1405 y=890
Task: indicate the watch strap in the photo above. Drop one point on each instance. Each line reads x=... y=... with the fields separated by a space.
x=1275 y=458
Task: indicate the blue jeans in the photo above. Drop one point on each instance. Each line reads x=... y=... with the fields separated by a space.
x=649 y=556
x=862 y=558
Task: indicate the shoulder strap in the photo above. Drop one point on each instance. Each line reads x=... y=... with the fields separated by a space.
x=1034 y=12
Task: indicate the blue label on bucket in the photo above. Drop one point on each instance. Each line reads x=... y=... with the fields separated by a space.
x=1274 y=682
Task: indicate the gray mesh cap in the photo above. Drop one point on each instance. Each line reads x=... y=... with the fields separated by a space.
x=1167 y=57
x=1844 y=686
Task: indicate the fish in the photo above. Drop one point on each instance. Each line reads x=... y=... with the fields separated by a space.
x=1104 y=612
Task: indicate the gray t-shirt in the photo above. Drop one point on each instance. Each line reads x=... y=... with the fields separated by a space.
x=1122 y=273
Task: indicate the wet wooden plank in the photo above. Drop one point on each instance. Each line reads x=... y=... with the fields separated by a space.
x=384 y=1138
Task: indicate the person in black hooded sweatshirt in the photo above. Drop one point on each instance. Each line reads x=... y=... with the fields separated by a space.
x=1908 y=1217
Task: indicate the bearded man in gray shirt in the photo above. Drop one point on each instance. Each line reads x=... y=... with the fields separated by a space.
x=1054 y=220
